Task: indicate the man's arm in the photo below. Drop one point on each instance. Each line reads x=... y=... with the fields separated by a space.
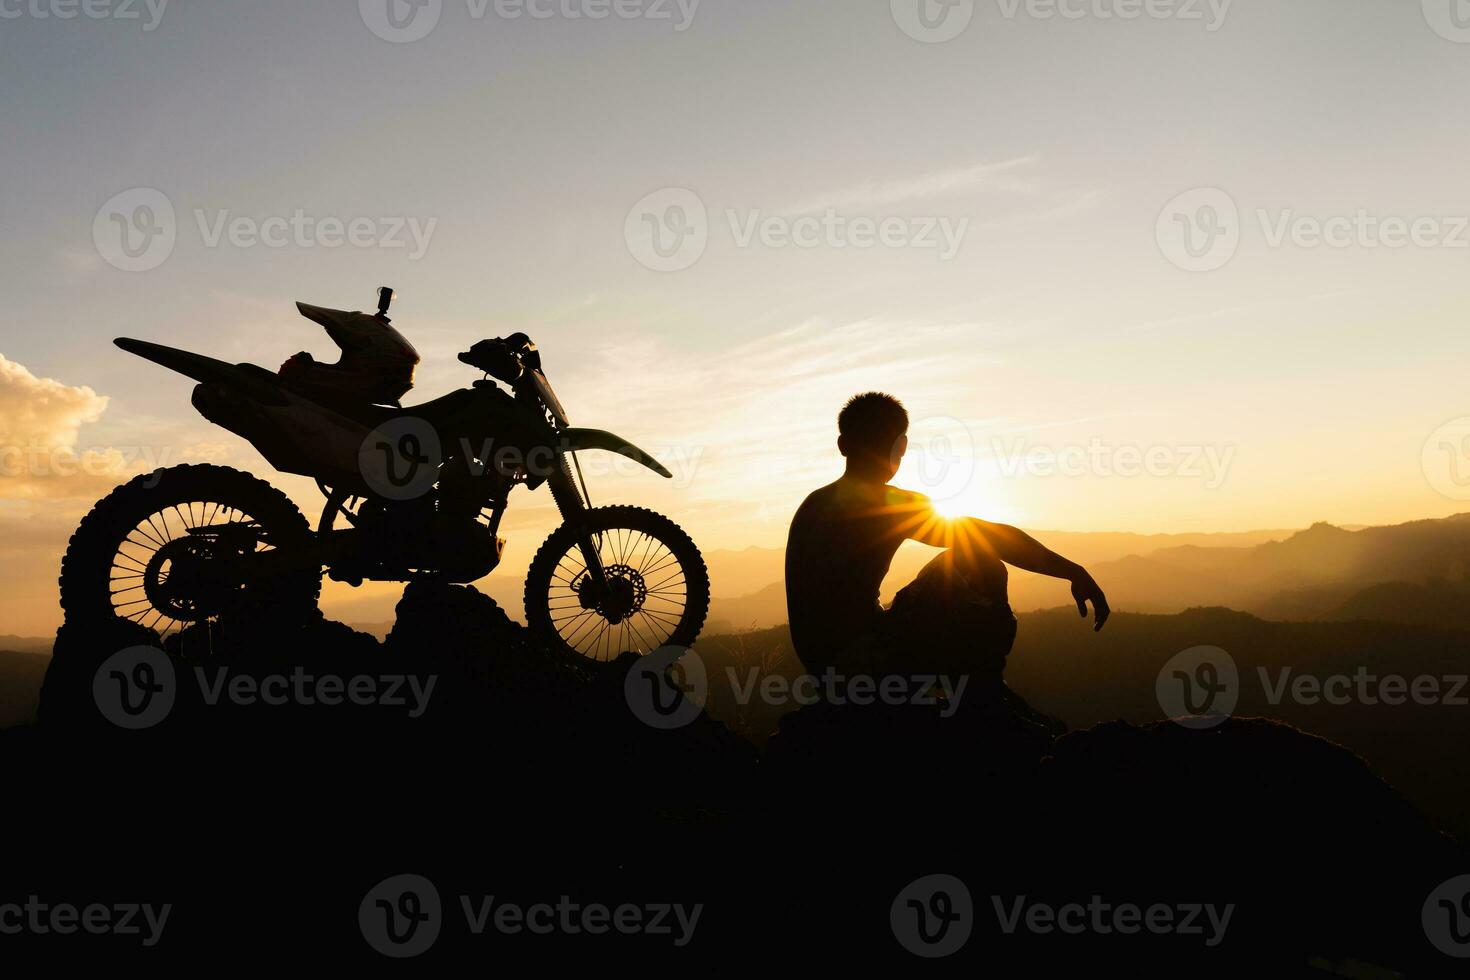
x=1014 y=547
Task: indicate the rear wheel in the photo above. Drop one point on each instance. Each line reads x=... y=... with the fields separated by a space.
x=168 y=550
x=657 y=585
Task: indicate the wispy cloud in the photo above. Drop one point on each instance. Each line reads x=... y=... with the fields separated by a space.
x=761 y=418
x=1060 y=205
x=989 y=176
x=80 y=262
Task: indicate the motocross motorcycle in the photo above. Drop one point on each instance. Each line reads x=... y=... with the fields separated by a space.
x=411 y=494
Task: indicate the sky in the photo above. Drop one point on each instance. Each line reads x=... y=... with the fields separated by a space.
x=1198 y=268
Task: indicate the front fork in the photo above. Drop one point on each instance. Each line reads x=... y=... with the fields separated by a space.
x=573 y=507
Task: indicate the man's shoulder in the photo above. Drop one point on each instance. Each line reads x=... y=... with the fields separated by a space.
x=903 y=503
x=851 y=499
x=818 y=500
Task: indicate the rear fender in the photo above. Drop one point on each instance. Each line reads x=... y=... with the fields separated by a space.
x=250 y=380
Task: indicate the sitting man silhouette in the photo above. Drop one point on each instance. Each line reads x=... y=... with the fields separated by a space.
x=954 y=618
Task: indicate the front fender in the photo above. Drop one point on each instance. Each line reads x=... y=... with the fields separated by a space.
x=597 y=439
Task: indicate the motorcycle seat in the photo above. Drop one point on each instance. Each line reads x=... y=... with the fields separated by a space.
x=436 y=412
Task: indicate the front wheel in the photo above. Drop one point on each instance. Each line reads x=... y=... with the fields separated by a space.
x=657 y=591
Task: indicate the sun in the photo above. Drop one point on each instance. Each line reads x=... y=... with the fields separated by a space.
x=951 y=508
x=987 y=500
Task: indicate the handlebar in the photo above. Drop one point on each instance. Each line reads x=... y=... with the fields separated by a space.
x=504 y=358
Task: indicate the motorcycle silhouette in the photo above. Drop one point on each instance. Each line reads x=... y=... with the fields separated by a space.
x=412 y=494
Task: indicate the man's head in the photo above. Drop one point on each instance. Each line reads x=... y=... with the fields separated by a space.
x=872 y=432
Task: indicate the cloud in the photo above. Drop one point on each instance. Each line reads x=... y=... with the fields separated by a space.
x=758 y=421
x=40 y=426
x=49 y=479
x=942 y=183
x=1061 y=205
x=80 y=262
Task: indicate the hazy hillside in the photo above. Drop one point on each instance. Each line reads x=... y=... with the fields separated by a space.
x=1322 y=573
x=748 y=584
x=1311 y=575
x=753 y=611
x=27 y=644
x=21 y=674
x=741 y=573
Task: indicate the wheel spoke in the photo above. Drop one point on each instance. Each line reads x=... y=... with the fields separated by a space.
x=657 y=617
x=573 y=641
x=673 y=560
x=679 y=575
x=654 y=626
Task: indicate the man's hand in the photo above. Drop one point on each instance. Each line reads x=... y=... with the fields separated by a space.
x=1085 y=590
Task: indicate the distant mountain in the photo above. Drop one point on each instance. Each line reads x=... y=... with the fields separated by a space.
x=1312 y=575
x=758 y=610
x=1417 y=572
x=745 y=582
x=21 y=674
x=27 y=644
x=1405 y=602
x=740 y=573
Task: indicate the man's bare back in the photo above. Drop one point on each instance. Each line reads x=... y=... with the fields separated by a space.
x=842 y=542
x=839 y=550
